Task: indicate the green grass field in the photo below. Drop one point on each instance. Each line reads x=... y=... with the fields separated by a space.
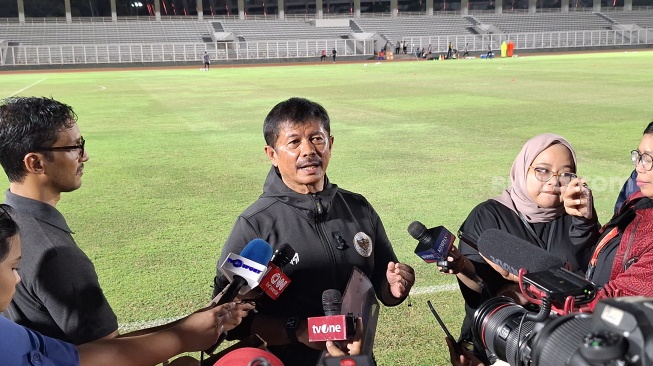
x=176 y=155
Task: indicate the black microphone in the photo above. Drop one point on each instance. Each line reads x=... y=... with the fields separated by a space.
x=433 y=244
x=283 y=255
x=333 y=326
x=274 y=282
x=513 y=253
x=332 y=302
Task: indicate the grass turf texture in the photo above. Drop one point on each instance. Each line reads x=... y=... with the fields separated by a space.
x=176 y=155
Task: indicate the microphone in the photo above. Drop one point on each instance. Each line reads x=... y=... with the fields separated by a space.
x=513 y=253
x=274 y=282
x=433 y=244
x=244 y=271
x=332 y=302
x=334 y=326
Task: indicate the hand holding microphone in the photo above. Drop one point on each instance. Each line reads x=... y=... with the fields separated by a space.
x=347 y=348
x=435 y=245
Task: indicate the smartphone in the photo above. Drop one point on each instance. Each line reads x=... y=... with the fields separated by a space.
x=444 y=327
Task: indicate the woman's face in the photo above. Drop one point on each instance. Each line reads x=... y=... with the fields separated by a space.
x=645 y=177
x=557 y=159
x=9 y=277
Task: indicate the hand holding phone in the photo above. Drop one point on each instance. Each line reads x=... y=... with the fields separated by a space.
x=444 y=328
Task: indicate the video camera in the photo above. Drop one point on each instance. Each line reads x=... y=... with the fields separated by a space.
x=618 y=333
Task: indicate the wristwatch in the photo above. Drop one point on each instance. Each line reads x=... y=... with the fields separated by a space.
x=291 y=328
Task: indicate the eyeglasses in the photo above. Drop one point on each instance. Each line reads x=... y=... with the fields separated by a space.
x=545 y=175
x=64 y=148
x=645 y=159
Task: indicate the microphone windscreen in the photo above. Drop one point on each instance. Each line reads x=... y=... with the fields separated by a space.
x=258 y=250
x=245 y=357
x=513 y=253
x=283 y=255
x=332 y=302
x=417 y=230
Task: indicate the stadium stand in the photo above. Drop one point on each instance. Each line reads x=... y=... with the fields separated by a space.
x=640 y=18
x=105 y=33
x=544 y=22
x=87 y=40
x=394 y=29
x=279 y=30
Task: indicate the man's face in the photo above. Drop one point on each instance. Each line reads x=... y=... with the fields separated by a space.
x=66 y=168
x=302 y=153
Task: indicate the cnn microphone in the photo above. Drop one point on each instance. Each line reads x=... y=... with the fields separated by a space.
x=333 y=326
x=244 y=271
x=513 y=253
x=433 y=244
x=274 y=282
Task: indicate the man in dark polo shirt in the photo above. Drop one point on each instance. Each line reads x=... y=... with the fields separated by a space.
x=42 y=153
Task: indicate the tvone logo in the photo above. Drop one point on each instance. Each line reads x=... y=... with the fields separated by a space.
x=326 y=328
x=238 y=264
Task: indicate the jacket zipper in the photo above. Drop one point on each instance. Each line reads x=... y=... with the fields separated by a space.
x=319 y=224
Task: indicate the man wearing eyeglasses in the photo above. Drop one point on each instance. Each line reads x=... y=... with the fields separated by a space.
x=42 y=153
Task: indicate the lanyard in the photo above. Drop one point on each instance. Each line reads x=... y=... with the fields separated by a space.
x=599 y=248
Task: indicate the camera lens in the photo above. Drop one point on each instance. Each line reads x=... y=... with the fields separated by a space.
x=497 y=325
x=559 y=340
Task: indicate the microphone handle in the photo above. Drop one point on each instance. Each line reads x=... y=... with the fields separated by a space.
x=229 y=295
x=231 y=292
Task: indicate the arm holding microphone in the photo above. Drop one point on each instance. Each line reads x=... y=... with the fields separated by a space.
x=462 y=267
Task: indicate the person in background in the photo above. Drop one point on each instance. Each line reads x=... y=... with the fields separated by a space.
x=543 y=178
x=629 y=187
x=466 y=51
x=207 y=61
x=331 y=229
x=324 y=56
x=22 y=346
x=334 y=53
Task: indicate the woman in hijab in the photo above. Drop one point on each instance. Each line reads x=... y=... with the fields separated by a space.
x=543 y=177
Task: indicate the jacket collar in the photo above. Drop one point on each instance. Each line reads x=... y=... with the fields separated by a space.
x=41 y=211
x=308 y=204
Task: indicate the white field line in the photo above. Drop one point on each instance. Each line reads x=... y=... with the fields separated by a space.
x=25 y=88
x=129 y=327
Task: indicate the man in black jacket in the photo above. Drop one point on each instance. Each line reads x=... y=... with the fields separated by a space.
x=331 y=229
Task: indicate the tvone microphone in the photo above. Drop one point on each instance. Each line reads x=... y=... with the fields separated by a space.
x=433 y=244
x=274 y=282
x=513 y=253
x=244 y=271
x=334 y=326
